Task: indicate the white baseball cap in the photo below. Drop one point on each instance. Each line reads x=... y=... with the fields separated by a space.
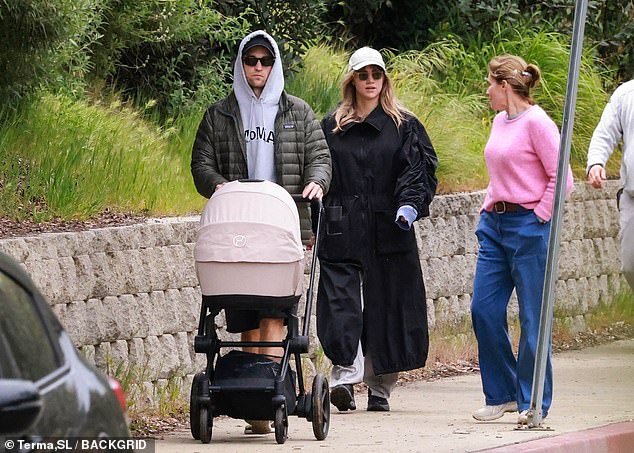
x=365 y=56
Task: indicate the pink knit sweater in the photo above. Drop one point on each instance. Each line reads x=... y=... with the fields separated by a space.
x=521 y=157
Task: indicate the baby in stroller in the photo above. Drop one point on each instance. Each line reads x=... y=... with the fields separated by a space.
x=249 y=262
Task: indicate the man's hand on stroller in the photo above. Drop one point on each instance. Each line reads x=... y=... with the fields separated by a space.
x=313 y=190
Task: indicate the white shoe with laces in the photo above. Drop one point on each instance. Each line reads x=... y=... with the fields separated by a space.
x=488 y=413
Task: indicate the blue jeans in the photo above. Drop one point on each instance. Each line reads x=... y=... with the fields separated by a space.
x=513 y=249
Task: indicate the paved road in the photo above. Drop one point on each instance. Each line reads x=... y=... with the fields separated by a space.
x=593 y=387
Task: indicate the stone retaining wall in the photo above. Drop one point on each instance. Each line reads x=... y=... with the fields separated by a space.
x=129 y=296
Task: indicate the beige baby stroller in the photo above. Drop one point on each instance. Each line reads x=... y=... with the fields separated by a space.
x=249 y=256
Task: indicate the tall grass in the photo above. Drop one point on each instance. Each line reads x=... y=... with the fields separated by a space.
x=450 y=76
x=444 y=85
x=66 y=159
x=455 y=120
x=551 y=52
x=318 y=83
x=73 y=159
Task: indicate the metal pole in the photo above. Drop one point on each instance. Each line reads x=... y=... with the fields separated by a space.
x=535 y=418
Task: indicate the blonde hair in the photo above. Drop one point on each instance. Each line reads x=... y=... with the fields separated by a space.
x=347 y=110
x=520 y=76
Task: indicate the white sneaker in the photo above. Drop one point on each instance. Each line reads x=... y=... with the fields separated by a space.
x=488 y=413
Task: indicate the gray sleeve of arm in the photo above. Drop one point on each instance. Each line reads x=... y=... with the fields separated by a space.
x=317 y=165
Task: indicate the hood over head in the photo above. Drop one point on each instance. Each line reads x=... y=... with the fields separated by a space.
x=275 y=83
x=258 y=114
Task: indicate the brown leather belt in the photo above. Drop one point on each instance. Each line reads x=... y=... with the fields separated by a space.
x=502 y=207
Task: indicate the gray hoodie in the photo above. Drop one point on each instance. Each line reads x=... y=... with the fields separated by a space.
x=258 y=114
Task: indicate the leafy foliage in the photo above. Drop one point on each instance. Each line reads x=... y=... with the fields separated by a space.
x=609 y=27
x=293 y=23
x=174 y=52
x=551 y=52
x=38 y=44
x=411 y=24
x=398 y=24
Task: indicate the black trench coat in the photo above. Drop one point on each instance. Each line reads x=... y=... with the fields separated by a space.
x=376 y=169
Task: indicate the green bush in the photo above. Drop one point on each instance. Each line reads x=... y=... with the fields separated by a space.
x=609 y=29
x=460 y=70
x=294 y=24
x=398 y=24
x=174 y=52
x=39 y=45
x=412 y=24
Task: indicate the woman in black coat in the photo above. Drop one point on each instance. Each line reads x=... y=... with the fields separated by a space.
x=371 y=304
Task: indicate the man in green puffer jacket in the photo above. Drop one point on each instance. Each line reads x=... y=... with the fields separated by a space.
x=261 y=132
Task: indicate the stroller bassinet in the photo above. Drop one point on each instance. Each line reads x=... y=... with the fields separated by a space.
x=249 y=255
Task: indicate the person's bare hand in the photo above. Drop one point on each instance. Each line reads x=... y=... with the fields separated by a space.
x=313 y=190
x=311 y=242
x=219 y=186
x=596 y=176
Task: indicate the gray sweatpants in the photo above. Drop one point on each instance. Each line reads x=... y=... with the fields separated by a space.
x=626 y=218
x=361 y=370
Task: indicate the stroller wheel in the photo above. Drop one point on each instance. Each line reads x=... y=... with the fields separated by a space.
x=206 y=424
x=281 y=424
x=320 y=407
x=194 y=406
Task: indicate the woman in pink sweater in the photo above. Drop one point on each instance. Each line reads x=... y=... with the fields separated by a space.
x=521 y=157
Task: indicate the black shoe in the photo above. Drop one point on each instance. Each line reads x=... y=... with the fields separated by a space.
x=342 y=396
x=377 y=404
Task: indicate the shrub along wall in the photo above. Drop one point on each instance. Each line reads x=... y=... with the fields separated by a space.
x=129 y=295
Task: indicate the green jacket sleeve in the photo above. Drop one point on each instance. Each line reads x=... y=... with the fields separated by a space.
x=204 y=166
x=317 y=164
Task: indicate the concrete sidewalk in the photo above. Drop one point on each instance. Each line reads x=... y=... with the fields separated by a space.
x=594 y=387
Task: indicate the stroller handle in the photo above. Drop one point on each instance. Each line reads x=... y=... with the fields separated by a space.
x=316 y=209
x=314 y=202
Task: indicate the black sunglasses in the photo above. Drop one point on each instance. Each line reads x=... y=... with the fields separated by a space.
x=253 y=61
x=376 y=75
